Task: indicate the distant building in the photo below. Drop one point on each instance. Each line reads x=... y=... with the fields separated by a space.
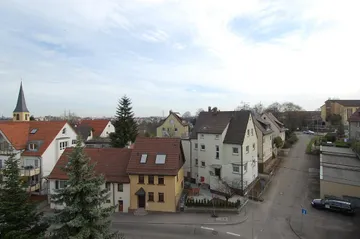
x=344 y=108
x=173 y=126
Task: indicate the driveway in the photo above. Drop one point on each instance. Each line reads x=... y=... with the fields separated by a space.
x=293 y=187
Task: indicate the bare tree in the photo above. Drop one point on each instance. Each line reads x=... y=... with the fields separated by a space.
x=243 y=106
x=289 y=106
x=259 y=108
x=199 y=111
x=225 y=189
x=187 y=114
x=275 y=107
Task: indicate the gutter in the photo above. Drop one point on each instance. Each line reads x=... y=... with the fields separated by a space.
x=242 y=171
x=113 y=193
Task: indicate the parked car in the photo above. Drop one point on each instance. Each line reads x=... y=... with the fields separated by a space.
x=308 y=132
x=333 y=205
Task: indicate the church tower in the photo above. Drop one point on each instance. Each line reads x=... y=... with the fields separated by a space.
x=21 y=112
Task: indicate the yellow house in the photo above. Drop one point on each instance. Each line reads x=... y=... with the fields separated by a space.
x=173 y=126
x=156 y=174
x=344 y=108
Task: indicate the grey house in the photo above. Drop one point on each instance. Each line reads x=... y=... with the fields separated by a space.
x=354 y=125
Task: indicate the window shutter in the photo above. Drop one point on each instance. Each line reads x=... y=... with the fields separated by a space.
x=57 y=184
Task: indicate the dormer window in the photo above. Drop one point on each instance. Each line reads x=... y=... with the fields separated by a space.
x=33 y=146
x=143 y=158
x=64 y=131
x=33 y=131
x=160 y=159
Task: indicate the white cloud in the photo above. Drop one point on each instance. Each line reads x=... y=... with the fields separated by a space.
x=200 y=46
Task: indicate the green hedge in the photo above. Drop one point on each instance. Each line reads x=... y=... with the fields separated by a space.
x=342 y=144
x=209 y=203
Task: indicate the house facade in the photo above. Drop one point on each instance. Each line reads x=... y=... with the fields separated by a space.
x=354 y=125
x=277 y=126
x=265 y=146
x=110 y=162
x=223 y=148
x=156 y=174
x=173 y=126
x=38 y=145
x=344 y=108
x=97 y=128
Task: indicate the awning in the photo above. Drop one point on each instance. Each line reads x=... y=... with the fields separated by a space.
x=217 y=166
x=140 y=192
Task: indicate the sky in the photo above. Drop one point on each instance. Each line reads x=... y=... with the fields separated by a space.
x=84 y=55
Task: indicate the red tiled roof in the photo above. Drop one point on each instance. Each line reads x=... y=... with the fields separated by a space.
x=97 y=125
x=110 y=162
x=171 y=147
x=18 y=133
x=355 y=117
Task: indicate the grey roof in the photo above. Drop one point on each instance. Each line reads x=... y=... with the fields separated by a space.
x=261 y=124
x=216 y=122
x=278 y=124
x=237 y=127
x=211 y=122
x=83 y=131
x=21 y=104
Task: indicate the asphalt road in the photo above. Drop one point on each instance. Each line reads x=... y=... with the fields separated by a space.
x=292 y=188
x=168 y=231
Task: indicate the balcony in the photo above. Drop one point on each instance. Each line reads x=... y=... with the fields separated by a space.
x=33 y=187
x=29 y=171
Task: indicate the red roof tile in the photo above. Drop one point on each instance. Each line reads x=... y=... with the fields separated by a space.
x=355 y=117
x=16 y=132
x=171 y=147
x=110 y=162
x=97 y=125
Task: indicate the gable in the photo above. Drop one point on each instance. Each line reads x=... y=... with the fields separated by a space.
x=238 y=127
x=172 y=120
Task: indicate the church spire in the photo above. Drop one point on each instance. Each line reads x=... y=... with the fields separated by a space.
x=21 y=112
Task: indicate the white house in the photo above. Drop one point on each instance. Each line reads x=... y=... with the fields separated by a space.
x=276 y=125
x=100 y=128
x=39 y=144
x=223 y=148
x=265 y=142
x=110 y=162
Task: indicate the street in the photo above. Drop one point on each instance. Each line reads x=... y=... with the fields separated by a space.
x=167 y=231
x=293 y=187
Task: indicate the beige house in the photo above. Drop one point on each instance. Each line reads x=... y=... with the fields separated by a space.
x=340 y=173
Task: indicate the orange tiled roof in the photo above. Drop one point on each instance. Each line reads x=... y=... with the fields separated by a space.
x=97 y=125
x=152 y=146
x=110 y=162
x=18 y=133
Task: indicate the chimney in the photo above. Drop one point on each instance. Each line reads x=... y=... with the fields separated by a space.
x=170 y=111
x=209 y=109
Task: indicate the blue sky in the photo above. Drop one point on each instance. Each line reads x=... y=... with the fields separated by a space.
x=181 y=55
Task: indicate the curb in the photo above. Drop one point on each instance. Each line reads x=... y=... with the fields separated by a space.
x=293 y=230
x=188 y=223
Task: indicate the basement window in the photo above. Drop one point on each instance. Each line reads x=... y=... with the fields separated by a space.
x=160 y=159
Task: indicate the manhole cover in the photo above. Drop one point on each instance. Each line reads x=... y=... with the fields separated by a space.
x=222 y=219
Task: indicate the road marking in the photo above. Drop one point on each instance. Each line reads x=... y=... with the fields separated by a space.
x=233 y=234
x=208 y=228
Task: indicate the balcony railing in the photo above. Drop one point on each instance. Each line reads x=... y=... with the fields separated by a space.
x=33 y=187
x=6 y=152
x=29 y=171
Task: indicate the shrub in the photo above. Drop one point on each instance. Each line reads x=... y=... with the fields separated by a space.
x=278 y=142
x=293 y=139
x=342 y=144
x=330 y=137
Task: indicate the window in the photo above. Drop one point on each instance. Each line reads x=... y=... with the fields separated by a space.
x=63 y=145
x=202 y=163
x=161 y=180
x=1 y=165
x=163 y=129
x=107 y=185
x=150 y=179
x=33 y=146
x=108 y=201
x=161 y=197
x=247 y=149
x=201 y=136
x=150 y=196
x=141 y=179
x=120 y=187
x=248 y=132
x=195 y=146
x=160 y=159
x=253 y=146
x=245 y=167
x=143 y=158
x=74 y=141
x=36 y=162
x=217 y=136
x=33 y=131
x=17 y=117
x=26 y=116
x=175 y=129
x=64 y=131
x=196 y=162
x=235 y=150
x=4 y=146
x=252 y=132
x=60 y=184
x=217 y=154
x=236 y=169
x=203 y=147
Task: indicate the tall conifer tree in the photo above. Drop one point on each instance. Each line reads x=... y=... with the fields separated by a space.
x=19 y=217
x=126 y=128
x=84 y=215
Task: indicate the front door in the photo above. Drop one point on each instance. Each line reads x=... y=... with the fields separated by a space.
x=121 y=205
x=141 y=201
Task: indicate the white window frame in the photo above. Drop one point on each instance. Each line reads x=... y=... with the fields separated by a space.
x=254 y=146
x=252 y=132
x=195 y=145
x=202 y=148
x=217 y=136
x=217 y=152
x=247 y=149
x=233 y=151
x=201 y=136
x=32 y=146
x=64 y=131
x=196 y=162
x=245 y=167
x=203 y=164
x=234 y=166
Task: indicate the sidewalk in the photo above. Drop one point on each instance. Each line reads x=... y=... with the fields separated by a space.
x=182 y=218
